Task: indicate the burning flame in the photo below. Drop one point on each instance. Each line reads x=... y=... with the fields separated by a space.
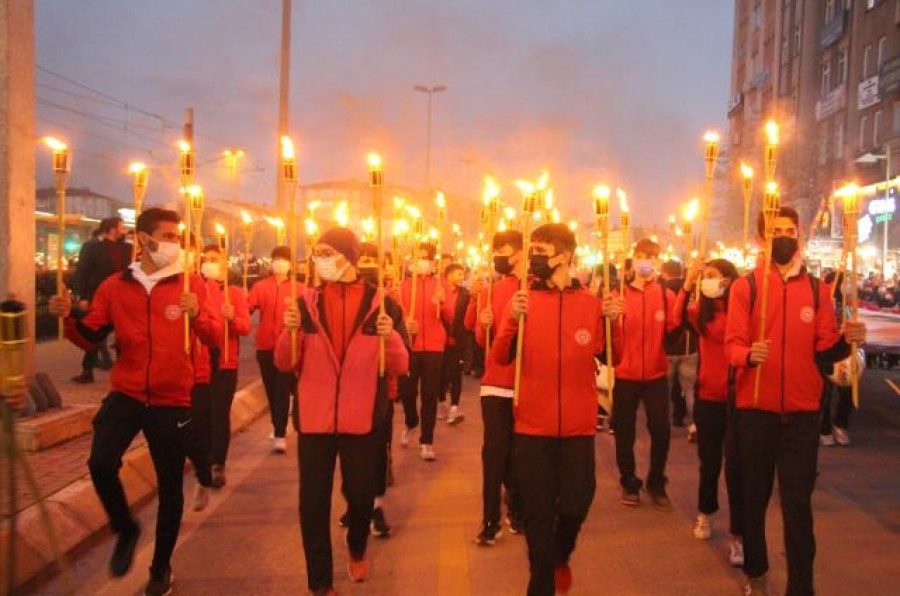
x=555 y=216
x=772 y=132
x=275 y=222
x=693 y=207
x=433 y=233
x=602 y=192
x=184 y=146
x=746 y=171
x=543 y=180
x=772 y=187
x=413 y=212
x=501 y=225
x=623 y=200
x=548 y=200
x=526 y=187
x=374 y=162
x=55 y=144
x=220 y=229
x=711 y=137
x=136 y=167
x=368 y=225
x=399 y=202
x=342 y=214
x=672 y=219
x=247 y=219
x=312 y=206
x=491 y=190
x=287 y=148
x=573 y=225
x=509 y=213
x=401 y=227
x=440 y=200
x=311 y=228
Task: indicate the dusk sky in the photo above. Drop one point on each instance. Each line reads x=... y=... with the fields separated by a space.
x=595 y=90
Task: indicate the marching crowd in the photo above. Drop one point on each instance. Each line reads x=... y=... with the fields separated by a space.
x=340 y=356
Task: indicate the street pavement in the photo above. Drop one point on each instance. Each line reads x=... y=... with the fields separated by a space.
x=247 y=541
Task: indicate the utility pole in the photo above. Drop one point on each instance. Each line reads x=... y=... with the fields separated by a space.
x=430 y=91
x=284 y=85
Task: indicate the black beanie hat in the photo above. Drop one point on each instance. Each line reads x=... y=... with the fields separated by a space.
x=342 y=240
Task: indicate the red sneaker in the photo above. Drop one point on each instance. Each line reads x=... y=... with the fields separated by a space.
x=358 y=569
x=562 y=576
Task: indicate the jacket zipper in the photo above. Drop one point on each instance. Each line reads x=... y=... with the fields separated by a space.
x=149 y=344
x=783 y=337
x=643 y=334
x=337 y=394
x=559 y=365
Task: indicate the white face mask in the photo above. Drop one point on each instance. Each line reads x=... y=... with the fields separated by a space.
x=166 y=254
x=327 y=268
x=281 y=266
x=211 y=270
x=643 y=267
x=423 y=266
x=712 y=288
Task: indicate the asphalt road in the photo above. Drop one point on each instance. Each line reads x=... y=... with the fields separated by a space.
x=247 y=541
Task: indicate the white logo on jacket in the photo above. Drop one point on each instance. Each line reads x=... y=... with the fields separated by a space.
x=660 y=316
x=173 y=311
x=807 y=314
x=583 y=337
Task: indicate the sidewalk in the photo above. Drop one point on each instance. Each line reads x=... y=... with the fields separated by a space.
x=58 y=467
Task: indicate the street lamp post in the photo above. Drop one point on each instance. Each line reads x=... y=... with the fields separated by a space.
x=430 y=91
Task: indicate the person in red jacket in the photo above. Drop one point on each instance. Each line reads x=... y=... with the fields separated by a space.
x=713 y=415
x=151 y=383
x=270 y=297
x=497 y=393
x=217 y=414
x=650 y=314
x=342 y=398
x=425 y=327
x=553 y=445
x=778 y=428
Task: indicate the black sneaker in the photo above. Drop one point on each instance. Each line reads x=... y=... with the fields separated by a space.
x=84 y=378
x=660 y=499
x=379 y=526
x=123 y=553
x=344 y=520
x=489 y=534
x=160 y=583
x=218 y=476
x=631 y=497
x=515 y=524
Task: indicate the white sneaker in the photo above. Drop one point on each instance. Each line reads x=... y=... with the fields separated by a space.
x=736 y=553
x=841 y=436
x=279 y=445
x=757 y=586
x=826 y=440
x=442 y=410
x=405 y=436
x=427 y=453
x=692 y=433
x=200 y=499
x=455 y=416
x=702 y=529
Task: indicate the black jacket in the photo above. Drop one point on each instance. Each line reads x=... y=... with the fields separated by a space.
x=98 y=260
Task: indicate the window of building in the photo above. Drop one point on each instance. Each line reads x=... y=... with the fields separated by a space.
x=798 y=37
x=882 y=52
x=785 y=50
x=842 y=67
x=839 y=140
x=829 y=10
x=867 y=61
x=826 y=78
x=863 y=124
x=823 y=150
x=876 y=126
x=870 y=4
x=756 y=19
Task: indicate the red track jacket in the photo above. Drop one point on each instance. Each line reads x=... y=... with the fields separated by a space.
x=432 y=337
x=268 y=297
x=496 y=374
x=648 y=317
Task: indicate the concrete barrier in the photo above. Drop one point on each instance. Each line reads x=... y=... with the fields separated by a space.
x=75 y=511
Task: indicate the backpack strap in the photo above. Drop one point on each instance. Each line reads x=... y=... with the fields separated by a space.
x=814 y=284
x=751 y=281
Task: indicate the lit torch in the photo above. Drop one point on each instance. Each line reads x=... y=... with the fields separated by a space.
x=376 y=183
x=289 y=175
x=625 y=223
x=771 y=205
x=601 y=210
x=186 y=167
x=771 y=154
x=247 y=226
x=222 y=235
x=711 y=156
x=529 y=202
x=61 y=167
x=747 y=174
x=850 y=195
x=138 y=171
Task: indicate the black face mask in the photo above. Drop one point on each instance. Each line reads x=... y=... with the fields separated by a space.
x=783 y=249
x=369 y=274
x=540 y=267
x=502 y=265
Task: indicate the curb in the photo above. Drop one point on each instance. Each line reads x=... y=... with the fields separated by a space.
x=75 y=511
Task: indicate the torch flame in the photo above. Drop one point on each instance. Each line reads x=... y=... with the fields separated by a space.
x=401 y=227
x=548 y=200
x=312 y=206
x=247 y=219
x=311 y=227
x=220 y=229
x=573 y=225
x=433 y=233
x=623 y=200
x=772 y=132
x=543 y=180
x=440 y=200
x=287 y=148
x=526 y=187
x=746 y=171
x=491 y=190
x=501 y=225
x=136 y=167
x=413 y=212
x=601 y=191
x=374 y=162
x=342 y=214
x=275 y=222
x=509 y=213
x=399 y=202
x=184 y=146
x=555 y=216
x=772 y=187
x=711 y=136
x=847 y=190
x=55 y=144
x=693 y=207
